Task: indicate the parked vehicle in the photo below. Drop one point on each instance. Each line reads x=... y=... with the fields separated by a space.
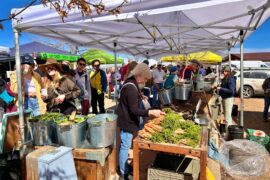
x=247 y=64
x=253 y=80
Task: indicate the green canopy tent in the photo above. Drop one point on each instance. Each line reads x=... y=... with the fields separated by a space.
x=103 y=56
x=58 y=57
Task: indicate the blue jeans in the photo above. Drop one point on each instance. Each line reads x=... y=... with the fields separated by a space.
x=156 y=102
x=126 y=141
x=266 y=107
x=32 y=104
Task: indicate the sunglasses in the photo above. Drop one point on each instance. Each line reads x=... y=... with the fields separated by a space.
x=50 y=68
x=82 y=64
x=96 y=65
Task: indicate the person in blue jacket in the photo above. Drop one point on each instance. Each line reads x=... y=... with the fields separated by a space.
x=172 y=78
x=227 y=91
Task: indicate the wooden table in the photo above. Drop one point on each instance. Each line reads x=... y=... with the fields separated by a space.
x=200 y=152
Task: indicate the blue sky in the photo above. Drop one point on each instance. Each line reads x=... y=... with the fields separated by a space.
x=258 y=41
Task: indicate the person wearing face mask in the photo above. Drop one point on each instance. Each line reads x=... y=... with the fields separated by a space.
x=31 y=87
x=129 y=112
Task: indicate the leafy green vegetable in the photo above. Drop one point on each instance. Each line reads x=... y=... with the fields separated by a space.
x=172 y=122
x=58 y=118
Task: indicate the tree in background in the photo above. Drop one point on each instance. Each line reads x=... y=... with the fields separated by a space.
x=63 y=7
x=103 y=56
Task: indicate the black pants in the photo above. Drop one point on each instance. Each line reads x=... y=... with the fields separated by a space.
x=97 y=98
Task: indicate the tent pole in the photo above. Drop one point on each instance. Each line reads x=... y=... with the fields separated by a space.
x=241 y=78
x=115 y=71
x=9 y=64
x=230 y=58
x=19 y=84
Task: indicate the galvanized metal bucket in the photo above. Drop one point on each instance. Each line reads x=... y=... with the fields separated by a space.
x=71 y=135
x=102 y=130
x=44 y=133
x=182 y=92
x=166 y=96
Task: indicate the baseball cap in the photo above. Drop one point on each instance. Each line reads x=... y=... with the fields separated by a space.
x=173 y=69
x=27 y=59
x=227 y=68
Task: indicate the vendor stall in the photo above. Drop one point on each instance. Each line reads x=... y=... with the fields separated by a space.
x=200 y=152
x=149 y=29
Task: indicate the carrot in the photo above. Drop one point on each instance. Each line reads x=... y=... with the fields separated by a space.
x=150 y=130
x=154 y=126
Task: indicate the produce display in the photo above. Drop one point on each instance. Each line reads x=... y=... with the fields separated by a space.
x=96 y=123
x=172 y=128
x=60 y=119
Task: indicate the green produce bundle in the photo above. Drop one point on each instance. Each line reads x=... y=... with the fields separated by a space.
x=176 y=130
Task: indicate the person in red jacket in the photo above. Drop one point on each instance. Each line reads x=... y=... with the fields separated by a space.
x=124 y=70
x=189 y=70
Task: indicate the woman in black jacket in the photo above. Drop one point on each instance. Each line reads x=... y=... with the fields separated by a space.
x=129 y=112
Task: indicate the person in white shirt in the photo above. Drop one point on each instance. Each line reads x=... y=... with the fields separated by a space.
x=158 y=78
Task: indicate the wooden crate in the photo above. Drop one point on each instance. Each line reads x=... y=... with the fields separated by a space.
x=200 y=152
x=189 y=169
x=92 y=170
x=88 y=169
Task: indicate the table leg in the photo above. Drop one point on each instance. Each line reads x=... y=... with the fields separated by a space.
x=203 y=163
x=136 y=169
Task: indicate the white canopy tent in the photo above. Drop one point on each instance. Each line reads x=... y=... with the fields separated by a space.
x=151 y=28
x=4 y=50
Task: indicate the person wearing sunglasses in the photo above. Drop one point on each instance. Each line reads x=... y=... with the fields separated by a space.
x=61 y=90
x=31 y=86
x=82 y=79
x=98 y=87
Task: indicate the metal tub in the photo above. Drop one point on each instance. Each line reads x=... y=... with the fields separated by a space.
x=44 y=132
x=182 y=92
x=101 y=133
x=71 y=135
x=203 y=86
x=166 y=96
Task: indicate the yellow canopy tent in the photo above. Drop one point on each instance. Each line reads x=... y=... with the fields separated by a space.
x=204 y=57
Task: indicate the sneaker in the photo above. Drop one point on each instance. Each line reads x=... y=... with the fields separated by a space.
x=265 y=119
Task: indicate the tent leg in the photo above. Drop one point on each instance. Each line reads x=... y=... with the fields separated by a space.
x=230 y=58
x=9 y=64
x=19 y=84
x=241 y=79
x=116 y=71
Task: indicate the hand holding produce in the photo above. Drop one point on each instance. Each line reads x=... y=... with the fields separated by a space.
x=155 y=113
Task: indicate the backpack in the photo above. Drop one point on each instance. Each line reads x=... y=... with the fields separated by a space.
x=8 y=99
x=4 y=95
